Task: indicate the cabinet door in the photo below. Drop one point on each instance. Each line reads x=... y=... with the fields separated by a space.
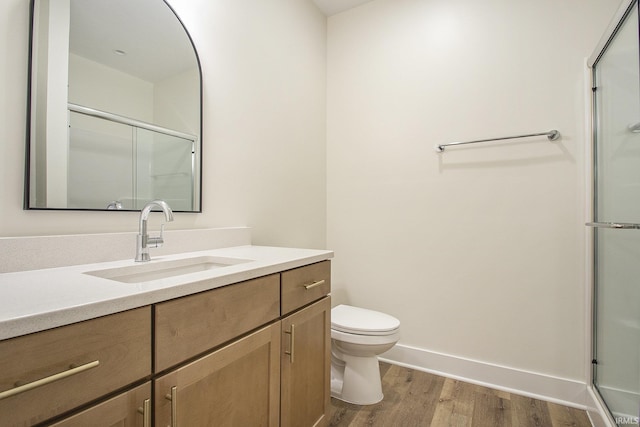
x=306 y=366
x=129 y=409
x=237 y=385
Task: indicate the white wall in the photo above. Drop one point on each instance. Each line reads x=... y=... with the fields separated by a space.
x=172 y=108
x=263 y=132
x=95 y=85
x=478 y=250
x=265 y=86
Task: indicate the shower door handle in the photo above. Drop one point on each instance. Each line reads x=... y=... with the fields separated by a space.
x=618 y=225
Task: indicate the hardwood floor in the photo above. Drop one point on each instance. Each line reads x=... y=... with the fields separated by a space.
x=415 y=398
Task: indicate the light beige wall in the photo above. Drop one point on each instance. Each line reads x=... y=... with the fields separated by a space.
x=264 y=123
x=95 y=85
x=478 y=250
x=172 y=107
x=265 y=90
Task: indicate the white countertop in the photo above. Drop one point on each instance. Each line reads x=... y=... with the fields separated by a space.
x=32 y=301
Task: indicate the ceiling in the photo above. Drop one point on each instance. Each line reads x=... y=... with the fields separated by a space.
x=154 y=44
x=331 y=7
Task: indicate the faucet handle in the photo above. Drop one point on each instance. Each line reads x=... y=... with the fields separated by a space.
x=156 y=242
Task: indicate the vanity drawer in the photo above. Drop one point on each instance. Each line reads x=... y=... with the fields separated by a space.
x=92 y=359
x=188 y=326
x=304 y=285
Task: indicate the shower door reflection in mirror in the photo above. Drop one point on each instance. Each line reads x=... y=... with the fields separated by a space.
x=127 y=166
x=616 y=76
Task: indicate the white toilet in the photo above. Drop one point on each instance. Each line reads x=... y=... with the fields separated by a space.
x=358 y=336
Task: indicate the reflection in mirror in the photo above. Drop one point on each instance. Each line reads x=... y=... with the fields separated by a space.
x=115 y=99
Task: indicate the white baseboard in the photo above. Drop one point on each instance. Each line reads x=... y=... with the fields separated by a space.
x=544 y=387
x=540 y=386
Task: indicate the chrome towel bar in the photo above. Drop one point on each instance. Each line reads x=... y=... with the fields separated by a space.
x=552 y=135
x=618 y=225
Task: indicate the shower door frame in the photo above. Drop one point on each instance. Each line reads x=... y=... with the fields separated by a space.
x=608 y=37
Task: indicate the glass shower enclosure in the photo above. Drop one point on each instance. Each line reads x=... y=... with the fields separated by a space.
x=616 y=220
x=120 y=163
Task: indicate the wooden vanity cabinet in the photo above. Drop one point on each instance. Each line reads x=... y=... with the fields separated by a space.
x=48 y=373
x=237 y=385
x=247 y=354
x=277 y=375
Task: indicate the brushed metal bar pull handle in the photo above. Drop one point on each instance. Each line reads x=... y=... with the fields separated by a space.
x=173 y=397
x=48 y=380
x=314 y=284
x=146 y=413
x=292 y=342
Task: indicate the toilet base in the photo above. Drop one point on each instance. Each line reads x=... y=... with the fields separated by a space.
x=356 y=379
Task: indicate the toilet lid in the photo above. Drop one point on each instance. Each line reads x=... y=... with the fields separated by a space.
x=361 y=321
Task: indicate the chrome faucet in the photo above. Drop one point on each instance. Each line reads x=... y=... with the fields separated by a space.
x=143 y=241
x=114 y=205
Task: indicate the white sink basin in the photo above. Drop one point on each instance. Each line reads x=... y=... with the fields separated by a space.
x=162 y=269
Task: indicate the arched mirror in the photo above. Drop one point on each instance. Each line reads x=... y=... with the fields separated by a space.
x=115 y=107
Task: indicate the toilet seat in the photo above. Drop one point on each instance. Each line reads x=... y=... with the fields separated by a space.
x=360 y=321
x=368 y=340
